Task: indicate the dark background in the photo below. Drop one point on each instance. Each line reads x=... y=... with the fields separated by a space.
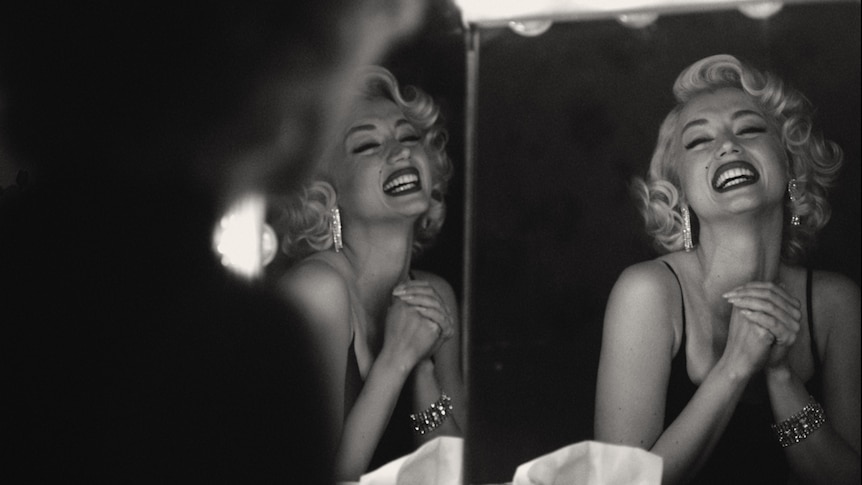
x=565 y=120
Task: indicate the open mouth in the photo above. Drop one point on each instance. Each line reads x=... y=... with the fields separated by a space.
x=733 y=175
x=401 y=182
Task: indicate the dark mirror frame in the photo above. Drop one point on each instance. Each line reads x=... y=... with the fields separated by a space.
x=556 y=126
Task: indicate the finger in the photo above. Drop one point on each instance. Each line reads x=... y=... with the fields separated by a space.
x=780 y=334
x=412 y=284
x=779 y=309
x=777 y=296
x=761 y=333
x=426 y=291
x=433 y=313
x=439 y=318
x=427 y=297
x=431 y=309
x=434 y=326
x=422 y=299
x=774 y=313
x=769 y=291
x=764 y=290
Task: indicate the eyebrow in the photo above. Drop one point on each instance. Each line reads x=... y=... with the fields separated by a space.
x=745 y=112
x=736 y=115
x=357 y=128
x=369 y=127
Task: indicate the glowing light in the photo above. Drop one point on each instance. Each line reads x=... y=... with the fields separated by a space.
x=492 y=13
x=637 y=20
x=268 y=245
x=530 y=28
x=242 y=240
x=761 y=10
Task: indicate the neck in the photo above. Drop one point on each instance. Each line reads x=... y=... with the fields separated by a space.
x=738 y=251
x=380 y=257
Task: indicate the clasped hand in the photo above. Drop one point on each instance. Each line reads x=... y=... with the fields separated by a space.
x=764 y=323
x=418 y=322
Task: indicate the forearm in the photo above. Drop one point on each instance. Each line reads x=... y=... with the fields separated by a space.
x=427 y=390
x=367 y=420
x=823 y=456
x=689 y=440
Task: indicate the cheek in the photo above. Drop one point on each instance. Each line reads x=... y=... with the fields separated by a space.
x=782 y=156
x=777 y=164
x=351 y=182
x=427 y=165
x=694 y=175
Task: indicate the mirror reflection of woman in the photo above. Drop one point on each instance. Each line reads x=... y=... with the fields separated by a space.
x=387 y=335
x=727 y=356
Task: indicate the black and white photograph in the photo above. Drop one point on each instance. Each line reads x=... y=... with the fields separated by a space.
x=431 y=242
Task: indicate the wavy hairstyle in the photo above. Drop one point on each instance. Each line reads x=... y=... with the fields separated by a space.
x=813 y=161
x=302 y=218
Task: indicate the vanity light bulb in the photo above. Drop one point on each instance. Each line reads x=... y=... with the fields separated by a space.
x=761 y=10
x=242 y=240
x=637 y=20
x=530 y=28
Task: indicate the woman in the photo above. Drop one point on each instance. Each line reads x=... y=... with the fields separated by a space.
x=387 y=336
x=708 y=345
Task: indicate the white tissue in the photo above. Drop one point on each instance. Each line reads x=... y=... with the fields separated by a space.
x=592 y=463
x=437 y=462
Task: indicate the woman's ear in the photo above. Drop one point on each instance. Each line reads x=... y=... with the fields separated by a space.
x=326 y=190
x=436 y=194
x=790 y=168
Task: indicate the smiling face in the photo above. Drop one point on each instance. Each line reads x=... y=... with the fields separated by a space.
x=385 y=170
x=731 y=157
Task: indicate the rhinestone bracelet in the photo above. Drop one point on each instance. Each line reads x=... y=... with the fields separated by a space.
x=429 y=419
x=797 y=427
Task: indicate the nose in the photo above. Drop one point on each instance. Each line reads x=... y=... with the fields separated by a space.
x=727 y=147
x=398 y=153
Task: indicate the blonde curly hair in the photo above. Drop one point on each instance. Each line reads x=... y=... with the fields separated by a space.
x=813 y=161
x=302 y=218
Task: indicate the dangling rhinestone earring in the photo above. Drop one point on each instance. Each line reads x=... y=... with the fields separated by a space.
x=686 y=229
x=793 y=191
x=335 y=225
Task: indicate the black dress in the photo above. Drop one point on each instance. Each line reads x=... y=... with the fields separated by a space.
x=397 y=439
x=748 y=451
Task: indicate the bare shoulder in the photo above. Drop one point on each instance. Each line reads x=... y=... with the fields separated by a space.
x=313 y=273
x=438 y=283
x=647 y=278
x=836 y=302
x=834 y=288
x=645 y=304
x=317 y=288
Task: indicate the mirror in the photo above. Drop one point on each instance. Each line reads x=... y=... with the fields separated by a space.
x=564 y=120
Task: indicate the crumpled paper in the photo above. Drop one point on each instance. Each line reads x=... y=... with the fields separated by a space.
x=592 y=463
x=437 y=462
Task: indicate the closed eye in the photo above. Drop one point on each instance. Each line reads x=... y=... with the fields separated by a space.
x=696 y=142
x=752 y=129
x=365 y=147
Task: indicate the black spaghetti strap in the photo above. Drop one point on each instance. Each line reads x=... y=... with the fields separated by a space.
x=808 y=299
x=681 y=296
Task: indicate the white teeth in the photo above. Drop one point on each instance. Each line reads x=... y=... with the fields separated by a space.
x=402 y=180
x=402 y=188
x=733 y=177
